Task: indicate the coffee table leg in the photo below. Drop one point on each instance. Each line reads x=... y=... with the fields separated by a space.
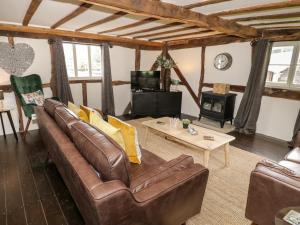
x=226 y=149
x=206 y=158
x=146 y=136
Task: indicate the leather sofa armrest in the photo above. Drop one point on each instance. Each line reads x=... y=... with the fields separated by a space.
x=193 y=177
x=272 y=187
x=159 y=173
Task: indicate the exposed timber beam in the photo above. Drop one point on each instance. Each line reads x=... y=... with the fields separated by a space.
x=171 y=12
x=204 y=3
x=185 y=82
x=152 y=29
x=135 y=24
x=36 y=32
x=34 y=4
x=274 y=23
x=259 y=8
x=166 y=32
x=104 y=20
x=272 y=35
x=202 y=73
x=82 y=8
x=267 y=17
x=205 y=33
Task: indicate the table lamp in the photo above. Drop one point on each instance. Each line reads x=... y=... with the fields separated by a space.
x=1 y=98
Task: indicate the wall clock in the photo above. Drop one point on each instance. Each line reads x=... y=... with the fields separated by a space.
x=223 y=61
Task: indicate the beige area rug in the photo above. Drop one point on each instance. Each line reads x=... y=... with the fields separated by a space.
x=214 y=125
x=226 y=193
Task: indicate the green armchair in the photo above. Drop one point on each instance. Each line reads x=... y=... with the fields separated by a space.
x=24 y=85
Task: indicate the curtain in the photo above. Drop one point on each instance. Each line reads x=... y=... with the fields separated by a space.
x=108 y=105
x=248 y=112
x=59 y=82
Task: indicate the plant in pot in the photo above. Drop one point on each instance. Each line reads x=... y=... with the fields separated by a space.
x=166 y=65
x=185 y=123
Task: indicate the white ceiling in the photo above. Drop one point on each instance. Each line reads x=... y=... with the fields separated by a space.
x=50 y=11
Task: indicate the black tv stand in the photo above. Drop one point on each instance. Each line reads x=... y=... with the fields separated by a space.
x=156 y=103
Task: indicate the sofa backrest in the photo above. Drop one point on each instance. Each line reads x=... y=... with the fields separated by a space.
x=108 y=159
x=50 y=105
x=64 y=119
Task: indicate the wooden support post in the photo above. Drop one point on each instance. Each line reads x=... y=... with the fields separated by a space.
x=20 y=115
x=137 y=58
x=11 y=41
x=163 y=70
x=184 y=82
x=84 y=93
x=202 y=73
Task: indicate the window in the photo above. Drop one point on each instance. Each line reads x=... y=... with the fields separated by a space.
x=83 y=61
x=284 y=66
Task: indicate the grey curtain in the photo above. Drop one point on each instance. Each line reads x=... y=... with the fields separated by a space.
x=108 y=104
x=59 y=82
x=247 y=115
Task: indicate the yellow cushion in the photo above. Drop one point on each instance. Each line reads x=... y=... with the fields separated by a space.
x=129 y=133
x=89 y=110
x=106 y=128
x=79 y=112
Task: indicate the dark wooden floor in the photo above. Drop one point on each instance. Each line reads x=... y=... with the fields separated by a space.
x=34 y=194
x=30 y=192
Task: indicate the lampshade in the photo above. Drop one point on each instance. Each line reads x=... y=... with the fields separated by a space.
x=1 y=95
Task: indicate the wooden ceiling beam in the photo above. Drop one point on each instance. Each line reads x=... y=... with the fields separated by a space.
x=272 y=35
x=259 y=8
x=207 y=2
x=104 y=20
x=152 y=29
x=166 y=32
x=184 y=35
x=128 y=26
x=81 y=9
x=268 y=17
x=34 y=4
x=36 y=32
x=274 y=23
x=171 y=12
x=204 y=3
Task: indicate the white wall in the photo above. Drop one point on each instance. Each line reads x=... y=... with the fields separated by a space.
x=277 y=116
x=122 y=62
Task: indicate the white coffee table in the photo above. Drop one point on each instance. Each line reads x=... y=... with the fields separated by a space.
x=162 y=126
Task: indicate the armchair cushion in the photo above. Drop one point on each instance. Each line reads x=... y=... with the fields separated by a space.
x=35 y=98
x=293 y=156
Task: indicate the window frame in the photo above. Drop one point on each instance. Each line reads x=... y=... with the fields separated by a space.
x=90 y=77
x=292 y=69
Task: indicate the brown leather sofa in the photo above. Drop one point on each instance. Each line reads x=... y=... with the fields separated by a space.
x=107 y=189
x=273 y=186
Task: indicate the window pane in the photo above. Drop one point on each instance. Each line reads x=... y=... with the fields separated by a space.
x=82 y=55
x=96 y=61
x=278 y=74
x=68 y=50
x=297 y=76
x=281 y=55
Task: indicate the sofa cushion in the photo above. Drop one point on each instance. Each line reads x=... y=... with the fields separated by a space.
x=50 y=105
x=101 y=152
x=64 y=119
x=293 y=156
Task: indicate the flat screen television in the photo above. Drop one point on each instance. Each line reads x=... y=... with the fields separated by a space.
x=145 y=80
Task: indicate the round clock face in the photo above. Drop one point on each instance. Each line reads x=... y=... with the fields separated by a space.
x=223 y=61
